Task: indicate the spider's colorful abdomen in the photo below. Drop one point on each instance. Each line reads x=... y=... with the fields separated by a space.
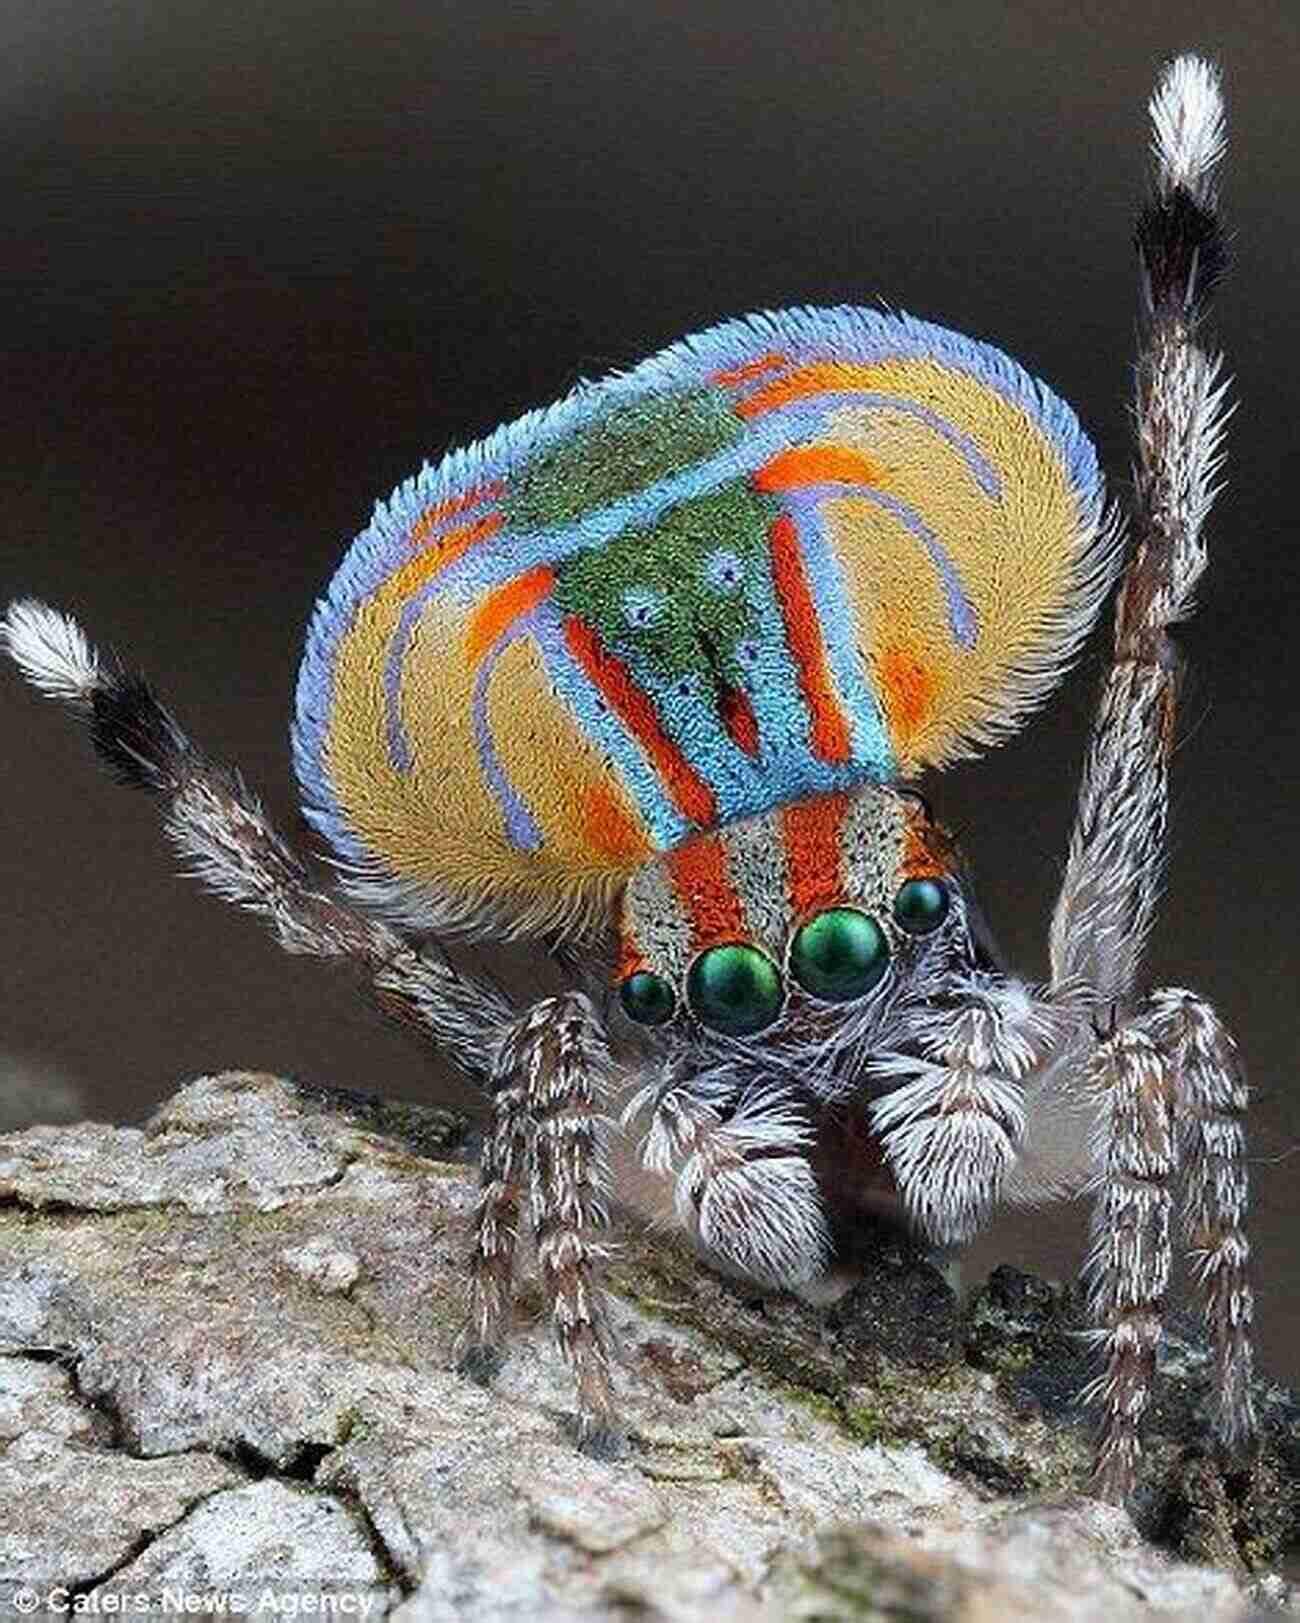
x=785 y=557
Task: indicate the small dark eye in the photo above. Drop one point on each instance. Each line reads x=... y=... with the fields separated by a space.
x=648 y=999
x=921 y=906
x=735 y=989
x=839 y=955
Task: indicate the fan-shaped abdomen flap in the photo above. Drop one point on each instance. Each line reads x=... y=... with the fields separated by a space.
x=785 y=556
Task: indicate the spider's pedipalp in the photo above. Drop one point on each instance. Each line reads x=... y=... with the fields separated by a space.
x=954 y=1112
x=748 y=1194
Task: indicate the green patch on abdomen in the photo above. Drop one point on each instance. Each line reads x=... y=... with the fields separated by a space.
x=680 y=595
x=627 y=449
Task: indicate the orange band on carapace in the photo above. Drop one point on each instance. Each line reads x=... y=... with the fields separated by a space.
x=807 y=465
x=829 y=732
x=686 y=789
x=503 y=607
x=812 y=830
x=631 y=960
x=927 y=852
x=704 y=888
x=826 y=377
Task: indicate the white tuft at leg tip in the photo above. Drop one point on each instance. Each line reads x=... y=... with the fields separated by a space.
x=51 y=650
x=1188 y=119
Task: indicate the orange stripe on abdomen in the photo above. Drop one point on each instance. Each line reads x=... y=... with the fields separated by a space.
x=829 y=731
x=805 y=465
x=739 y=719
x=823 y=377
x=429 y=520
x=812 y=832
x=907 y=688
x=686 y=789
x=501 y=608
x=610 y=831
x=704 y=889
x=445 y=550
x=749 y=369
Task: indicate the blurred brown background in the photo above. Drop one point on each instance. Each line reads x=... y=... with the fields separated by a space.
x=262 y=259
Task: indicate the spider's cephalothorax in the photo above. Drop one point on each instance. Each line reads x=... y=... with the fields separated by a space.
x=782 y=919
x=650 y=668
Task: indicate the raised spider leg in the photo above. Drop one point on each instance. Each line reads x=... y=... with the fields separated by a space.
x=547 y=1131
x=1108 y=896
x=227 y=842
x=1170 y=1084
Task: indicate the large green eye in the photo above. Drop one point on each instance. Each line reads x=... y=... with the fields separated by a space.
x=839 y=955
x=648 y=999
x=921 y=906
x=735 y=989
